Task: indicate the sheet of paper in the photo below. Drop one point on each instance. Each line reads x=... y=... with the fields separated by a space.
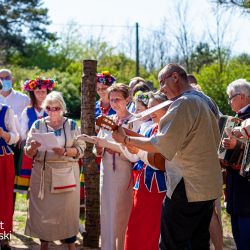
x=47 y=140
x=86 y=138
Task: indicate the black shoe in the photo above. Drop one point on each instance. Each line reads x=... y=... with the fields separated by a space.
x=6 y=247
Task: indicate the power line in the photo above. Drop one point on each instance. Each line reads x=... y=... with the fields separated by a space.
x=96 y=25
x=111 y=26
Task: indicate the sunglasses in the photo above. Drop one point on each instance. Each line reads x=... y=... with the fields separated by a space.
x=53 y=108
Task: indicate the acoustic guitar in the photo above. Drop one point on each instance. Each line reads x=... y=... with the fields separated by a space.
x=156 y=160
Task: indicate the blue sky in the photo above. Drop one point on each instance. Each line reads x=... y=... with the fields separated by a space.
x=149 y=15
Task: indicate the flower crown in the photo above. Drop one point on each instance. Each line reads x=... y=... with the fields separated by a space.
x=40 y=83
x=142 y=97
x=105 y=78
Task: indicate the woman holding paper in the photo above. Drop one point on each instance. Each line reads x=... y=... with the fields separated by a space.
x=8 y=136
x=54 y=187
x=38 y=90
x=115 y=174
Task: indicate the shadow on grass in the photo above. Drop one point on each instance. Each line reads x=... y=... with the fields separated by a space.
x=25 y=241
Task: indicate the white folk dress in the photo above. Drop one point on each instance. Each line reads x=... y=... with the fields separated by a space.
x=116 y=198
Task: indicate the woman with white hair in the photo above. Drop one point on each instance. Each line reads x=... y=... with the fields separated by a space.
x=54 y=186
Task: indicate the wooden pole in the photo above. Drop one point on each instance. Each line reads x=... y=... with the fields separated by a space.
x=137 y=49
x=92 y=200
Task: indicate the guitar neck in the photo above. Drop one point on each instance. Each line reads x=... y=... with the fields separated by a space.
x=132 y=133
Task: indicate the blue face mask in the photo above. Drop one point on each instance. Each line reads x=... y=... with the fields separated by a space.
x=7 y=85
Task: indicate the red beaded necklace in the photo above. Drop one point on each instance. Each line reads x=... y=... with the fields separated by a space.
x=103 y=109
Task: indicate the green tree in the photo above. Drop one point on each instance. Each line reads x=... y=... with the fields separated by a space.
x=214 y=82
x=244 y=4
x=21 y=21
x=43 y=55
x=202 y=55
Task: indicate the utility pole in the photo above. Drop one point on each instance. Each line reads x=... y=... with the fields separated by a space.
x=137 y=49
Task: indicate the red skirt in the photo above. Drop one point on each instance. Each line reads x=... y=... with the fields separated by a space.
x=7 y=175
x=143 y=230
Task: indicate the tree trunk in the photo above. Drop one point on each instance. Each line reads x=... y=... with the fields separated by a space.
x=92 y=201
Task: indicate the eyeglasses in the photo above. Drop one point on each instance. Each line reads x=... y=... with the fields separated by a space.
x=232 y=97
x=162 y=82
x=53 y=108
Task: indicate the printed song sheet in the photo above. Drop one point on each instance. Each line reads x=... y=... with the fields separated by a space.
x=47 y=140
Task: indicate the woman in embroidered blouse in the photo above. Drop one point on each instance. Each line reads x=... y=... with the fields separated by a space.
x=54 y=186
x=115 y=174
x=38 y=90
x=150 y=187
x=8 y=136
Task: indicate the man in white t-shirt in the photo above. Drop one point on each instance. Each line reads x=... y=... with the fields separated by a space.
x=16 y=100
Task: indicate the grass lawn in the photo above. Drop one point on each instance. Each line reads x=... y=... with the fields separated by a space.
x=20 y=241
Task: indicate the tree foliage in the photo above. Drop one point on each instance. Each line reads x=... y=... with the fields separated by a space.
x=21 y=21
x=214 y=83
x=244 y=4
x=201 y=56
x=33 y=55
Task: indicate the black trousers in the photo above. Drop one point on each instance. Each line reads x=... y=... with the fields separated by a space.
x=185 y=225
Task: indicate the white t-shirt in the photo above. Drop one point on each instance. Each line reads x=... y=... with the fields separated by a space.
x=17 y=101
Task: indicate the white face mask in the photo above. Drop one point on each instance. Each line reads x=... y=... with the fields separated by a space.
x=7 y=85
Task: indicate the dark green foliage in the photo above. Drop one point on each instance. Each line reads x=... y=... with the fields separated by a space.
x=202 y=55
x=21 y=21
x=214 y=82
x=244 y=4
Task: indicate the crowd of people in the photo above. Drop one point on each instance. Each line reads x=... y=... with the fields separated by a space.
x=160 y=174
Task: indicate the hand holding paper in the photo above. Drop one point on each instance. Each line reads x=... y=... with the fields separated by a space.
x=87 y=138
x=48 y=141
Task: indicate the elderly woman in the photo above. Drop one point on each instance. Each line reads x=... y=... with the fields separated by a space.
x=38 y=89
x=54 y=186
x=8 y=136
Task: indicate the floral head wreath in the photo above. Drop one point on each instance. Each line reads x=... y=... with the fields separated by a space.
x=105 y=78
x=39 y=83
x=142 y=97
